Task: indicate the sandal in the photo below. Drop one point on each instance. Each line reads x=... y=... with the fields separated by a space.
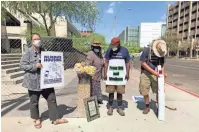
x=59 y=121
x=37 y=125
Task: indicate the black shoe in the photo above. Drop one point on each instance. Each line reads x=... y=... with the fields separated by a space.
x=100 y=102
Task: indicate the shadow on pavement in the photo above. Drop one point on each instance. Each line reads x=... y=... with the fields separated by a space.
x=115 y=106
x=63 y=110
x=11 y=103
x=153 y=106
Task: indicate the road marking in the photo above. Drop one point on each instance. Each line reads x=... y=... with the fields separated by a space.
x=183 y=67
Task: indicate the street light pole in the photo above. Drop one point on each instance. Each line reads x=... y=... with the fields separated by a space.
x=114 y=25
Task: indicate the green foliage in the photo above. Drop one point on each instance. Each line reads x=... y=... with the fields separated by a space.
x=133 y=48
x=171 y=38
x=79 y=42
x=37 y=29
x=83 y=12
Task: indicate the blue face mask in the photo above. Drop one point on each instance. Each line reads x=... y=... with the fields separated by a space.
x=96 y=50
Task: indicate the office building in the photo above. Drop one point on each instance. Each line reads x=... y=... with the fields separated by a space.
x=130 y=35
x=183 y=18
x=150 y=32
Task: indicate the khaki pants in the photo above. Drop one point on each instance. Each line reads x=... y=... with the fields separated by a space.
x=148 y=80
x=114 y=88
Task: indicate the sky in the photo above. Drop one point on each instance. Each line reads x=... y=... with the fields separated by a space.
x=129 y=13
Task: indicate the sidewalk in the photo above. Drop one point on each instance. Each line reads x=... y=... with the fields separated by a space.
x=184 y=119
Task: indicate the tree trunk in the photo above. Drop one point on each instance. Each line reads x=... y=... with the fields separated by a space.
x=178 y=53
x=51 y=31
x=168 y=52
x=191 y=48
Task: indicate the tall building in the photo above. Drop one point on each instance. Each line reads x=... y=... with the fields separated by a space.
x=183 y=18
x=150 y=32
x=130 y=35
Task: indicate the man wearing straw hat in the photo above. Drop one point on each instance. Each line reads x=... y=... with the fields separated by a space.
x=151 y=57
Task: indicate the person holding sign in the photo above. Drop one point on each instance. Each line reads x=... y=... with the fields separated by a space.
x=31 y=64
x=116 y=52
x=150 y=59
x=94 y=58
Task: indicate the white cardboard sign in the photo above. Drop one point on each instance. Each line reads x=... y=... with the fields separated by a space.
x=161 y=95
x=116 y=72
x=52 y=73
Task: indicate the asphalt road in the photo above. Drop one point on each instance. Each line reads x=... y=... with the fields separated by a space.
x=181 y=73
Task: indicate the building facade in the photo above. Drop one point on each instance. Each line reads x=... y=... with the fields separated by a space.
x=13 y=31
x=183 y=18
x=150 y=32
x=130 y=35
x=86 y=33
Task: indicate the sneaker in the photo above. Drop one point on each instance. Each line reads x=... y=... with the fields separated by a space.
x=121 y=112
x=110 y=111
x=146 y=111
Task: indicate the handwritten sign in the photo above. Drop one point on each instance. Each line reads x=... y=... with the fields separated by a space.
x=52 y=73
x=116 y=72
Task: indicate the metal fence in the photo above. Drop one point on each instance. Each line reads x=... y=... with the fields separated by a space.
x=12 y=48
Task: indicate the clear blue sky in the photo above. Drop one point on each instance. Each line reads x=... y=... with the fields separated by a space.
x=130 y=13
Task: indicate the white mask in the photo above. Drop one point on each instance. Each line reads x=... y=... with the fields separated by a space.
x=114 y=49
x=96 y=50
x=37 y=43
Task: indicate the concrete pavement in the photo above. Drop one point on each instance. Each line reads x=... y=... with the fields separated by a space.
x=184 y=119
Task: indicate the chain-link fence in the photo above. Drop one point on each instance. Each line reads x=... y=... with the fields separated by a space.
x=12 y=48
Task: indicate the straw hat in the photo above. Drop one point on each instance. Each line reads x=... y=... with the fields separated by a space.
x=159 y=48
x=96 y=43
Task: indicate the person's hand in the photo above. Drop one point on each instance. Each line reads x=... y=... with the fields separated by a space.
x=165 y=75
x=39 y=65
x=127 y=77
x=156 y=74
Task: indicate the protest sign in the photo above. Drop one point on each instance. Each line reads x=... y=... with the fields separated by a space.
x=52 y=73
x=116 y=72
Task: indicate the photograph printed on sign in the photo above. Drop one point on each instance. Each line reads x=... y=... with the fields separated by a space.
x=52 y=73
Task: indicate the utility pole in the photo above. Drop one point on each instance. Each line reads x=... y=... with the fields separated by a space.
x=114 y=30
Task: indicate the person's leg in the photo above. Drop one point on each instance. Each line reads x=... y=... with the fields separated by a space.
x=110 y=89
x=49 y=95
x=120 y=91
x=34 y=107
x=96 y=91
x=144 y=88
x=154 y=87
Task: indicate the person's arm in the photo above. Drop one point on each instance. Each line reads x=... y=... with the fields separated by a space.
x=89 y=59
x=148 y=68
x=144 y=59
x=25 y=63
x=106 y=63
x=127 y=62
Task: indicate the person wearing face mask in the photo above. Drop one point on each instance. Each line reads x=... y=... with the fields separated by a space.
x=116 y=51
x=94 y=58
x=31 y=64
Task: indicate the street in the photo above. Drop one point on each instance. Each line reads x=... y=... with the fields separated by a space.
x=181 y=73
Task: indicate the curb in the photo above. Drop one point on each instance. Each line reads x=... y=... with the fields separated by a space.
x=182 y=89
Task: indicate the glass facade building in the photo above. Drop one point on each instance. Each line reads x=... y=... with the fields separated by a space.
x=130 y=35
